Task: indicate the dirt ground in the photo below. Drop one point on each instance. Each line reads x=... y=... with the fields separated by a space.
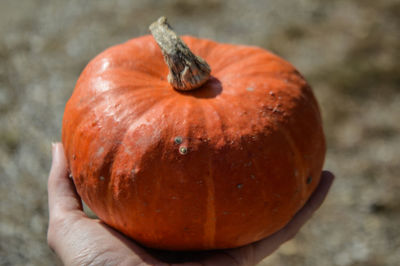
x=349 y=50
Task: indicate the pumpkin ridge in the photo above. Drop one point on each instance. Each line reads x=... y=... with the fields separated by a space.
x=312 y=101
x=258 y=168
x=156 y=75
x=85 y=106
x=101 y=97
x=229 y=105
x=298 y=160
x=221 y=124
x=210 y=224
x=148 y=110
x=126 y=73
x=143 y=93
x=218 y=70
x=108 y=195
x=210 y=219
x=125 y=61
x=165 y=102
x=113 y=184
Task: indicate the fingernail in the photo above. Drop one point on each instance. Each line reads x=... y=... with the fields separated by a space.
x=53 y=149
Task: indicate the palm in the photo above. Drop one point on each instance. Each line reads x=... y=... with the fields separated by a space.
x=79 y=240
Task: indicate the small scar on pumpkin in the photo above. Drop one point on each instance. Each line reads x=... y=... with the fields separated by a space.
x=239 y=186
x=250 y=89
x=183 y=150
x=135 y=170
x=100 y=151
x=178 y=140
x=101 y=178
x=309 y=180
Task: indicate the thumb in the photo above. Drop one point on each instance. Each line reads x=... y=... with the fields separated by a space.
x=63 y=197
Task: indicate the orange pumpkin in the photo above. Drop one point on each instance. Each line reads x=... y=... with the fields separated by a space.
x=219 y=166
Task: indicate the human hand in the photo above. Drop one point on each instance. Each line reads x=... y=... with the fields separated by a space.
x=80 y=240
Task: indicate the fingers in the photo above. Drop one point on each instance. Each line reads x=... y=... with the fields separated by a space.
x=61 y=190
x=266 y=246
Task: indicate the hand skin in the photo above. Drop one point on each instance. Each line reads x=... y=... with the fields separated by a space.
x=80 y=240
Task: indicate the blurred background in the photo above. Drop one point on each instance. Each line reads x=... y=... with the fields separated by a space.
x=349 y=50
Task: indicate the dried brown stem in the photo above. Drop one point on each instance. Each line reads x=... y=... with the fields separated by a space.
x=186 y=70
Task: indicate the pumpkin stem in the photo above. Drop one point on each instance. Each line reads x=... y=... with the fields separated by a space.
x=186 y=70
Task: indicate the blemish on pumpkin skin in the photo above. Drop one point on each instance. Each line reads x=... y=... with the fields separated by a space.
x=134 y=172
x=309 y=180
x=100 y=151
x=126 y=148
x=183 y=150
x=178 y=140
x=250 y=89
x=101 y=178
x=276 y=108
x=239 y=186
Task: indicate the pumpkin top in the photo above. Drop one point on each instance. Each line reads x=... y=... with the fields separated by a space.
x=248 y=89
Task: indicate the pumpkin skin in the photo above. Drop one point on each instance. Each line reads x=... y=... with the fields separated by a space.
x=218 y=167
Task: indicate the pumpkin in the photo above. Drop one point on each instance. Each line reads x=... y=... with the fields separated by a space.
x=223 y=157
